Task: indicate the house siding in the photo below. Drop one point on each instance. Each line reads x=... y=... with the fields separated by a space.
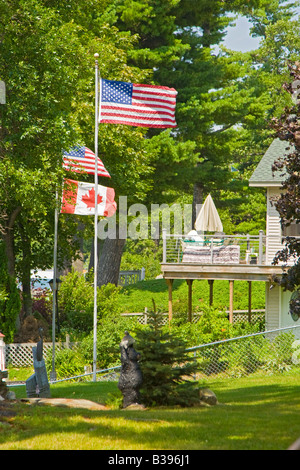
x=273 y=227
x=272 y=307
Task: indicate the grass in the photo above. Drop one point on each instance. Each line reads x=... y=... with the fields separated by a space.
x=136 y=297
x=256 y=413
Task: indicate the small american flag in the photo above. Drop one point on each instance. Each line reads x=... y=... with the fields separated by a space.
x=82 y=160
x=137 y=105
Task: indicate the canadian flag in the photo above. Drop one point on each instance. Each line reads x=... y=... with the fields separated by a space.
x=79 y=198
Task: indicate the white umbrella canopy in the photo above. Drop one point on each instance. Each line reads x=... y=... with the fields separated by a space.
x=208 y=219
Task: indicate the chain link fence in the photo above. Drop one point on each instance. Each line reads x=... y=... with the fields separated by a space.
x=265 y=352
x=268 y=352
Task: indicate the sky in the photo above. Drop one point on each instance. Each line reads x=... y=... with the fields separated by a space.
x=238 y=37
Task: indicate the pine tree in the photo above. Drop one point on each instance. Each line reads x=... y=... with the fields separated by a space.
x=166 y=366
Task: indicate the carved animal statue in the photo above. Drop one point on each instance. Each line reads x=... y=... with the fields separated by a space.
x=131 y=378
x=37 y=385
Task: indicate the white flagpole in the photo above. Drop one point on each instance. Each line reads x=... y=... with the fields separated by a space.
x=96 y=218
x=53 y=373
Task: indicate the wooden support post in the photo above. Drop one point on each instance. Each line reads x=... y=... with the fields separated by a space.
x=211 y=291
x=249 y=300
x=231 y=301
x=190 y=299
x=170 y=284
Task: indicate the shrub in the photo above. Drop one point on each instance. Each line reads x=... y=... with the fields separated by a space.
x=165 y=366
x=68 y=363
x=110 y=331
x=278 y=356
x=213 y=325
x=142 y=254
x=76 y=302
x=42 y=306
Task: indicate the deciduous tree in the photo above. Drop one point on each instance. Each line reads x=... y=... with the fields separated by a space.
x=287 y=128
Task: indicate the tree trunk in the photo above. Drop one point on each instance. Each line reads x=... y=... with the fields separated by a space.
x=197 y=200
x=26 y=284
x=110 y=260
x=8 y=239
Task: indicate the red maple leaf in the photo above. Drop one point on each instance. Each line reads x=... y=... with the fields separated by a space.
x=89 y=198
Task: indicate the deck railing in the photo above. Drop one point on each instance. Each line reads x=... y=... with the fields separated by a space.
x=131 y=277
x=223 y=249
x=215 y=249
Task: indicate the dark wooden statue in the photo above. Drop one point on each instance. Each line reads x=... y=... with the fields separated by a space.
x=131 y=379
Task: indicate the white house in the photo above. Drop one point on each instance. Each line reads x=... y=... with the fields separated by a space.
x=278 y=314
x=230 y=257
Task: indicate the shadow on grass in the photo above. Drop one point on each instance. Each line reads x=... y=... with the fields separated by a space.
x=262 y=417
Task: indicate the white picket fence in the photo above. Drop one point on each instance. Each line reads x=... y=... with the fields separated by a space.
x=20 y=354
x=238 y=316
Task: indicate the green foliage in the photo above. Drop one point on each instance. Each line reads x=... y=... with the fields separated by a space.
x=68 y=363
x=213 y=325
x=142 y=254
x=165 y=366
x=50 y=108
x=246 y=356
x=10 y=302
x=76 y=302
x=110 y=331
x=278 y=356
x=136 y=297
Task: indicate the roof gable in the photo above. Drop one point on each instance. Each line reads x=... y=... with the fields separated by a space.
x=262 y=175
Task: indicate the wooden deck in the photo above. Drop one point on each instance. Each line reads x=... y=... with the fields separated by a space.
x=212 y=272
x=241 y=272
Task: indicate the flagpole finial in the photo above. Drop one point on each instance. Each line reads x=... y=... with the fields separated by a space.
x=96 y=55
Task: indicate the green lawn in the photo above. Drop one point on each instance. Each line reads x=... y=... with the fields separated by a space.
x=256 y=413
x=136 y=297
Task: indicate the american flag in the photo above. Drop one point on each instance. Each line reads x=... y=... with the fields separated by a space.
x=82 y=160
x=137 y=105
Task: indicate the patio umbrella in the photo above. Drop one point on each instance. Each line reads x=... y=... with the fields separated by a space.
x=208 y=219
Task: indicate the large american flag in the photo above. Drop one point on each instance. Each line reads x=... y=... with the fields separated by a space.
x=82 y=160
x=137 y=105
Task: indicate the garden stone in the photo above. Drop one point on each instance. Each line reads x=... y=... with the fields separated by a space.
x=66 y=402
x=207 y=397
x=136 y=407
x=11 y=395
x=131 y=379
x=37 y=385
